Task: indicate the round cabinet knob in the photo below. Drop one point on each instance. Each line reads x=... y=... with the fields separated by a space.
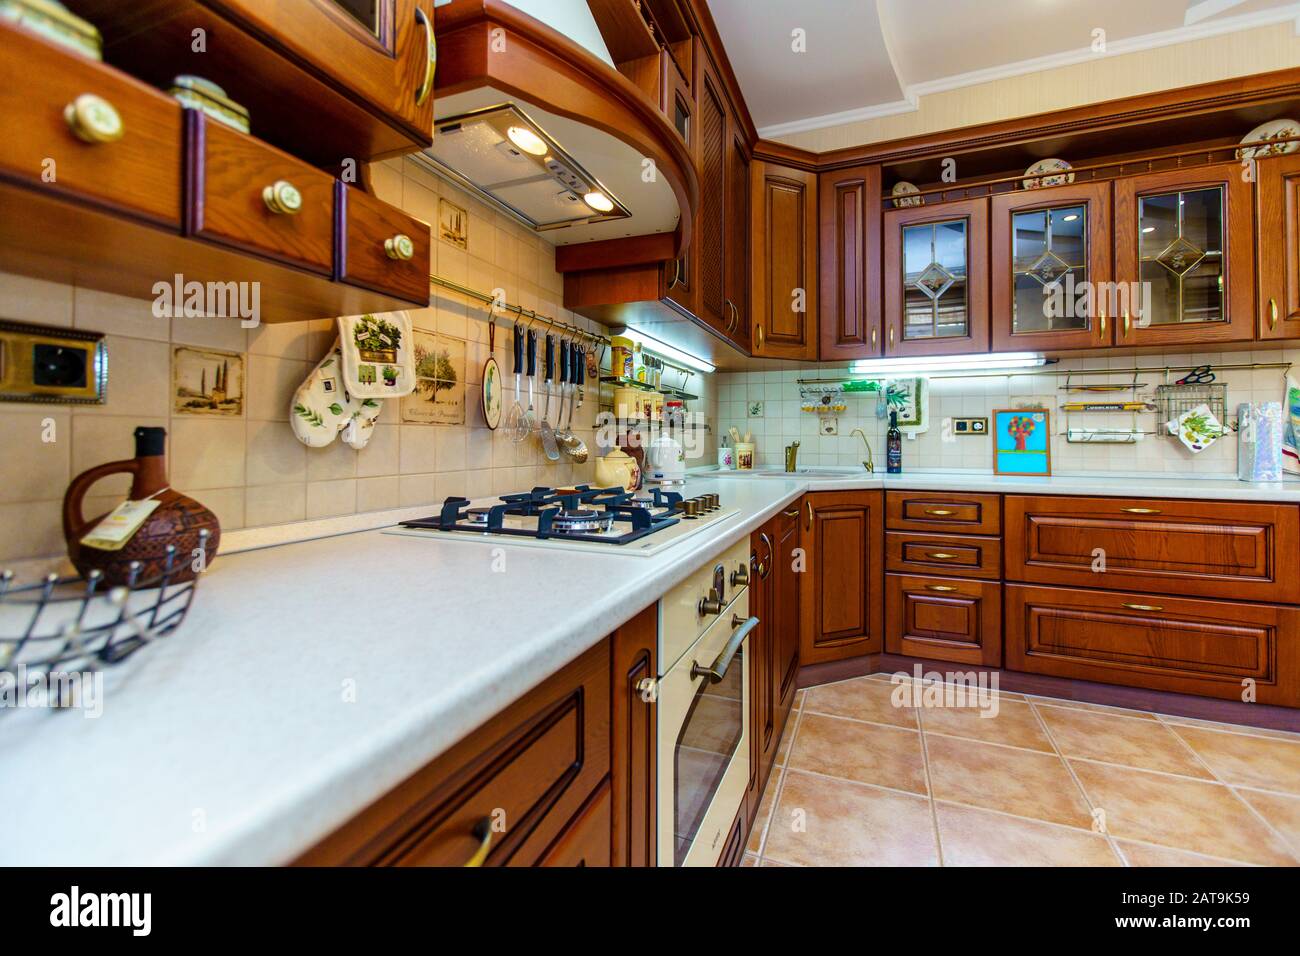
x=282 y=197
x=93 y=119
x=399 y=247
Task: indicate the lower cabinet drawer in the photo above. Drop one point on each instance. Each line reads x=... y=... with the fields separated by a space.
x=586 y=840
x=951 y=554
x=943 y=511
x=944 y=619
x=505 y=794
x=1226 y=649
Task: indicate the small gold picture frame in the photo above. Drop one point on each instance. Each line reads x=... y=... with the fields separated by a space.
x=207 y=382
x=453 y=224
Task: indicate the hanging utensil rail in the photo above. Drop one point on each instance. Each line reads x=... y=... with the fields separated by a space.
x=571 y=331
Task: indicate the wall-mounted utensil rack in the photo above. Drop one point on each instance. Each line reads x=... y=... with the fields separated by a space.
x=528 y=315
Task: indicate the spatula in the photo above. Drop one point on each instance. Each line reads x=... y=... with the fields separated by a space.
x=549 y=445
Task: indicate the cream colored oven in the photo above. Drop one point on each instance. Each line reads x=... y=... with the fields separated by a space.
x=703 y=712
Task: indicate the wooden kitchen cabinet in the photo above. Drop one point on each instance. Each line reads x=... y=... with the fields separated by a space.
x=936 y=279
x=944 y=512
x=849 y=255
x=787 y=592
x=1190 y=234
x=1214 y=549
x=1230 y=649
x=944 y=619
x=1046 y=240
x=1278 y=214
x=738 y=329
x=506 y=794
x=966 y=556
x=585 y=841
x=633 y=748
x=783 y=250
x=842 y=613
x=371 y=252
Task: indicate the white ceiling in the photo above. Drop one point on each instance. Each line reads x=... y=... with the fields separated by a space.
x=868 y=58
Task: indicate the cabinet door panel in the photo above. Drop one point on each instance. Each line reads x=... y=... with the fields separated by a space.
x=1278 y=195
x=1214 y=648
x=849 y=254
x=783 y=248
x=843 y=615
x=787 y=611
x=944 y=619
x=585 y=842
x=936 y=279
x=711 y=221
x=1046 y=244
x=736 y=305
x=633 y=749
x=1189 y=237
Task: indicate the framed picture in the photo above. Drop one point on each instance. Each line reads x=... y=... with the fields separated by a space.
x=453 y=224
x=1022 y=441
x=207 y=382
x=439 y=394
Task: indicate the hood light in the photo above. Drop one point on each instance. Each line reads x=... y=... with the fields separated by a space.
x=527 y=140
x=598 y=201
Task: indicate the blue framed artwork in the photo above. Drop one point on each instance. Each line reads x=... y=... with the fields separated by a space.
x=1022 y=441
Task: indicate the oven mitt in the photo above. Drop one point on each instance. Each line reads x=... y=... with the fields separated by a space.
x=323 y=407
x=378 y=355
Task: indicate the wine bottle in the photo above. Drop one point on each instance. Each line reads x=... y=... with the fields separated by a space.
x=894 y=446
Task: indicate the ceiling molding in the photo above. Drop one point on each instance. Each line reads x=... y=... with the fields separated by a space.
x=915 y=91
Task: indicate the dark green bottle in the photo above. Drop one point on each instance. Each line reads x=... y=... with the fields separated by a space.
x=894 y=446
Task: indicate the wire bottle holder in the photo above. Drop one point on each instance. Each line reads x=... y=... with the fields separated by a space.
x=69 y=624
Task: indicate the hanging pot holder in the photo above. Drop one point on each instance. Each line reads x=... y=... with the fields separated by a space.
x=378 y=355
x=323 y=407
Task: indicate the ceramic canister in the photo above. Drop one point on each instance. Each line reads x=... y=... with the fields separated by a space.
x=744 y=456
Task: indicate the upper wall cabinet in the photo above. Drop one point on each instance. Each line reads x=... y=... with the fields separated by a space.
x=936 y=279
x=783 y=247
x=1050 y=247
x=327 y=80
x=850 y=263
x=1184 y=252
x=1278 y=194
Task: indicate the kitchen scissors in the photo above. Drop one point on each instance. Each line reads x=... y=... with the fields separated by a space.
x=1201 y=375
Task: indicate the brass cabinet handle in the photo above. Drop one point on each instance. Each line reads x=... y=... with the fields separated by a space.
x=875 y=335
x=93 y=119
x=940 y=587
x=431 y=63
x=740 y=576
x=1142 y=511
x=940 y=512
x=792 y=513
x=1272 y=314
x=940 y=555
x=722 y=663
x=891 y=336
x=677 y=274
x=808 y=507
x=763 y=566
x=282 y=198
x=483 y=833
x=758 y=336
x=1103 y=324
x=400 y=247
x=1126 y=323
x=1144 y=607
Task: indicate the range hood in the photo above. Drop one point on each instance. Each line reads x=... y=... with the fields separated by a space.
x=506 y=156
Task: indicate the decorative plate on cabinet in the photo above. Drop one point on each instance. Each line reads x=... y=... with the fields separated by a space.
x=1039 y=181
x=905 y=195
x=1272 y=130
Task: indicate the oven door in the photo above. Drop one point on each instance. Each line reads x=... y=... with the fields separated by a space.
x=704 y=740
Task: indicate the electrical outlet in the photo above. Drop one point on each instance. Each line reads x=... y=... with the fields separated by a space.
x=970 y=426
x=830 y=426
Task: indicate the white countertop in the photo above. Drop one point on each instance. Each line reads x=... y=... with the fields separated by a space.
x=312 y=677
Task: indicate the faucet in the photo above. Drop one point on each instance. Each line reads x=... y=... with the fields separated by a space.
x=870 y=463
x=791 y=457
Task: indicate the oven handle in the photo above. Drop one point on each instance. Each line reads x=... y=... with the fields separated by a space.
x=718 y=670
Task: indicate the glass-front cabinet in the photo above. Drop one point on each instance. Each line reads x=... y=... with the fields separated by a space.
x=1051 y=268
x=1184 y=257
x=936 y=279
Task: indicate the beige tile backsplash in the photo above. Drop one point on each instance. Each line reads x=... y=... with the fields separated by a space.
x=251 y=470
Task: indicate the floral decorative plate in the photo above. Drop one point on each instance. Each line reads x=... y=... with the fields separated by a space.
x=1272 y=130
x=905 y=195
x=1048 y=166
x=1198 y=429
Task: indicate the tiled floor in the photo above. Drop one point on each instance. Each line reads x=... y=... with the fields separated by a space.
x=860 y=781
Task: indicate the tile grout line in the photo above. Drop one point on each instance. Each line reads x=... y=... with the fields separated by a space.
x=1211 y=727
x=780 y=783
x=929 y=785
x=1250 y=808
x=1105 y=830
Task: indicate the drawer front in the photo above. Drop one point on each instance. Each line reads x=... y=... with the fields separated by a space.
x=968 y=557
x=229 y=175
x=1200 y=548
x=1212 y=648
x=585 y=841
x=138 y=173
x=941 y=511
x=944 y=619
x=371 y=252
x=517 y=782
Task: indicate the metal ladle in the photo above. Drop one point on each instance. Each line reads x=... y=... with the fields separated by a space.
x=571 y=444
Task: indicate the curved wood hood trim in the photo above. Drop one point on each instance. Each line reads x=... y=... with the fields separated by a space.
x=544 y=67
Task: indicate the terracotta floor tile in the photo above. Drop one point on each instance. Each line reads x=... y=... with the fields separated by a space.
x=860 y=698
x=1099 y=708
x=749 y=860
x=766 y=862
x=1014 y=724
x=1146 y=744
x=1141 y=854
x=1180 y=813
x=1282 y=812
x=1250 y=761
x=798 y=700
x=888 y=677
x=1230 y=728
x=847 y=824
x=884 y=756
x=980 y=838
x=764 y=812
x=1027 y=784
x=787 y=738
